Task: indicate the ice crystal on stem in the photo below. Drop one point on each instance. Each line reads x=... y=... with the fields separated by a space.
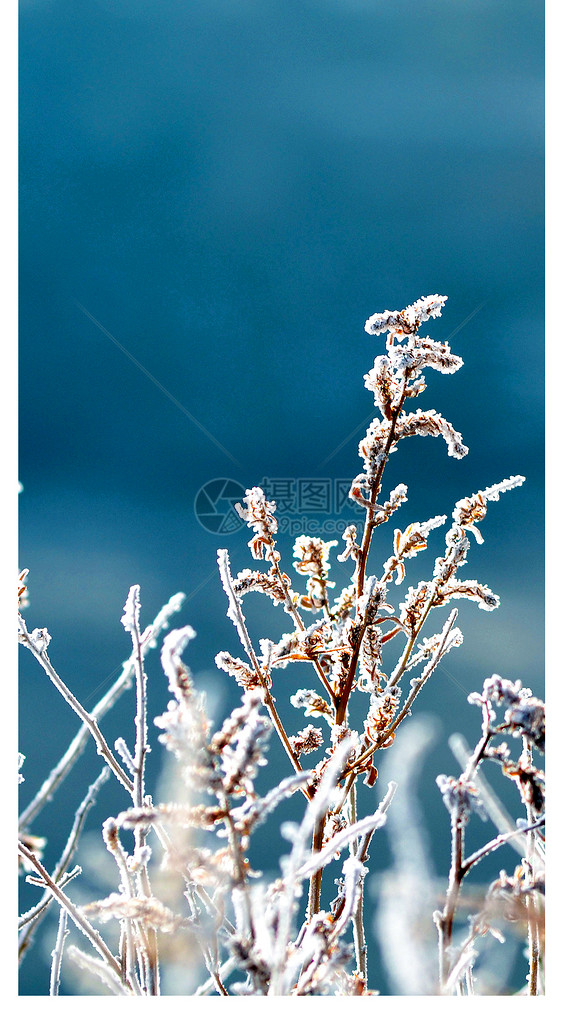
x=258 y=514
x=405 y=322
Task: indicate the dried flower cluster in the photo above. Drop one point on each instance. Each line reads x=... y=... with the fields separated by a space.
x=242 y=934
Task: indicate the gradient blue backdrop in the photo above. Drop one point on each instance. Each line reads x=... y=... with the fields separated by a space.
x=229 y=188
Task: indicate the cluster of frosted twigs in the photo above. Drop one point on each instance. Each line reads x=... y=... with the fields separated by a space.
x=238 y=932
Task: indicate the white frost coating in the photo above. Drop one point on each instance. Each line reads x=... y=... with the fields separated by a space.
x=234 y=607
x=436 y=522
x=407 y=320
x=131 y=611
x=493 y=492
x=40 y=638
x=375 y=820
x=162 y=619
x=174 y=644
x=426 y=307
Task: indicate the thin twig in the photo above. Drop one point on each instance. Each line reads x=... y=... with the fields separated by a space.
x=237 y=616
x=495 y=843
x=138 y=792
x=417 y=685
x=358 y=928
x=35 y=915
x=532 y=921
x=217 y=979
x=315 y=885
x=444 y=920
x=88 y=720
x=77 y=745
x=494 y=808
x=114 y=846
x=300 y=625
x=76 y=915
x=99 y=968
x=56 y=963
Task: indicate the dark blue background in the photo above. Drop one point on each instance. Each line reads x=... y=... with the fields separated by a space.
x=230 y=188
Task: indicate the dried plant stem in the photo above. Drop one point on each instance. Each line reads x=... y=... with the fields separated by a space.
x=77 y=917
x=220 y=987
x=128 y=949
x=96 y=967
x=459 y=868
x=460 y=865
x=499 y=840
x=62 y=933
x=77 y=745
x=33 y=915
x=138 y=797
x=299 y=624
x=363 y=848
x=347 y=790
x=140 y=723
x=358 y=927
x=280 y=729
x=239 y=879
x=534 y=946
x=216 y=979
x=88 y=720
x=420 y=681
x=417 y=686
x=532 y=921
x=444 y=920
x=150 y=948
x=30 y=921
x=71 y=755
x=342 y=701
x=237 y=616
x=494 y=808
x=359 y=579
x=315 y=885
x=401 y=667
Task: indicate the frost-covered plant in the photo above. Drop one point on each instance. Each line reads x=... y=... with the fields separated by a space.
x=253 y=937
x=519 y=898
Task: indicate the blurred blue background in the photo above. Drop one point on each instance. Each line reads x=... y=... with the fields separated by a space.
x=229 y=188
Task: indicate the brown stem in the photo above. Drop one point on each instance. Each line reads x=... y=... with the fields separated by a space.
x=447 y=916
x=401 y=667
x=370 y=523
x=316 y=878
x=274 y=715
x=532 y=922
x=389 y=732
x=299 y=623
x=445 y=919
x=342 y=702
x=221 y=988
x=359 y=578
x=237 y=616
